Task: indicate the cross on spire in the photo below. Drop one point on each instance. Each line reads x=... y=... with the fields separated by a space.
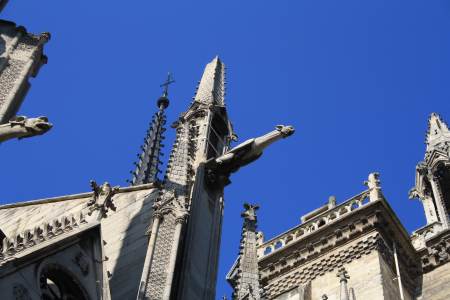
x=166 y=84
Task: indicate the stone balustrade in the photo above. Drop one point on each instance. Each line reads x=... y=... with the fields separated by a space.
x=323 y=219
x=419 y=237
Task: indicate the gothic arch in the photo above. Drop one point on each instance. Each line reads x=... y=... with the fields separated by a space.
x=56 y=282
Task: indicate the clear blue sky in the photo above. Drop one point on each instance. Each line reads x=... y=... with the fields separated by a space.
x=358 y=80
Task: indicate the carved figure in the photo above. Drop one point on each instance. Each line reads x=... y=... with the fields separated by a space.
x=219 y=169
x=22 y=127
x=102 y=199
x=250 y=212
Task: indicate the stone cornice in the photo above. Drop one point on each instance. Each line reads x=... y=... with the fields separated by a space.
x=318 y=267
x=436 y=251
x=78 y=196
x=374 y=219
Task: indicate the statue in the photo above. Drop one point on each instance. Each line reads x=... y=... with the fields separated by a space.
x=219 y=169
x=22 y=127
x=250 y=212
x=102 y=199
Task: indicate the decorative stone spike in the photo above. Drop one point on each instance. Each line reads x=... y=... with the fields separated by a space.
x=246 y=279
x=146 y=168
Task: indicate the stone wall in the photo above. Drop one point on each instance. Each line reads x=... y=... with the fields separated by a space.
x=390 y=283
x=21 y=55
x=435 y=285
x=362 y=265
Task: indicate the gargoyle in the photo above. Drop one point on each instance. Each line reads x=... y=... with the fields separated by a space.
x=102 y=199
x=22 y=127
x=219 y=169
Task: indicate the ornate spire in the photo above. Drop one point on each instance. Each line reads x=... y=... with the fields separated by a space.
x=244 y=276
x=343 y=277
x=147 y=167
x=211 y=88
x=438 y=132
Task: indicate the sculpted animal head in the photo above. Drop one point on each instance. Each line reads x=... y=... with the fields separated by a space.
x=32 y=126
x=285 y=130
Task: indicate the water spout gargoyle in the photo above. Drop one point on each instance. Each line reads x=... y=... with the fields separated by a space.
x=22 y=127
x=219 y=169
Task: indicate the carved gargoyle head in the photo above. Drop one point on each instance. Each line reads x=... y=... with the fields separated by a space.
x=33 y=126
x=285 y=130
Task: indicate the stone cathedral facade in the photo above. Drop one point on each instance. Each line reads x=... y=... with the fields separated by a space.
x=160 y=238
x=357 y=249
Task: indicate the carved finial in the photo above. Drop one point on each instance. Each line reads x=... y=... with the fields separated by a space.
x=373 y=183
x=343 y=277
x=102 y=198
x=331 y=201
x=343 y=274
x=250 y=212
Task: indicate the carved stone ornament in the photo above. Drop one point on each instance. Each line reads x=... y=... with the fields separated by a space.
x=171 y=202
x=82 y=262
x=102 y=198
x=219 y=169
x=20 y=292
x=22 y=127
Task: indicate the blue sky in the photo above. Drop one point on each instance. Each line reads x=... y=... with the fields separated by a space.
x=358 y=80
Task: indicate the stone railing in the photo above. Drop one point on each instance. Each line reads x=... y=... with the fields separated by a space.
x=323 y=219
x=41 y=233
x=419 y=237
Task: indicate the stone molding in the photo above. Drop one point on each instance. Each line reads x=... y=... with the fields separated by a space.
x=327 y=264
x=436 y=253
x=41 y=233
x=320 y=221
x=79 y=196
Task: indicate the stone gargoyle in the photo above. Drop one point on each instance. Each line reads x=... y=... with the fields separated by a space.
x=22 y=127
x=219 y=169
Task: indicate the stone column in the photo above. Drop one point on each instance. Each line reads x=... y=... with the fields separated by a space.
x=343 y=277
x=148 y=257
x=179 y=221
x=430 y=209
x=373 y=183
x=442 y=211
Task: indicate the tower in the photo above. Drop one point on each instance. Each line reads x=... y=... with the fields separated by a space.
x=244 y=275
x=183 y=247
x=433 y=175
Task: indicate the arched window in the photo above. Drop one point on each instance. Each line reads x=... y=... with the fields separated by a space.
x=216 y=139
x=443 y=174
x=58 y=284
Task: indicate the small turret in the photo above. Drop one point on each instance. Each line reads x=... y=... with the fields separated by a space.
x=244 y=275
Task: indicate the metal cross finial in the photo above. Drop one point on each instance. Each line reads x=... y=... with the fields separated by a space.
x=166 y=84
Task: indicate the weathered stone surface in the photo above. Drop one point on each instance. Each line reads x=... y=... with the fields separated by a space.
x=21 y=56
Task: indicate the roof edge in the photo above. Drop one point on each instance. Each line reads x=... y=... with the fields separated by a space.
x=77 y=196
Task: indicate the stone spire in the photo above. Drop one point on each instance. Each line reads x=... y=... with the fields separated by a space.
x=147 y=167
x=433 y=175
x=246 y=274
x=438 y=133
x=211 y=89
